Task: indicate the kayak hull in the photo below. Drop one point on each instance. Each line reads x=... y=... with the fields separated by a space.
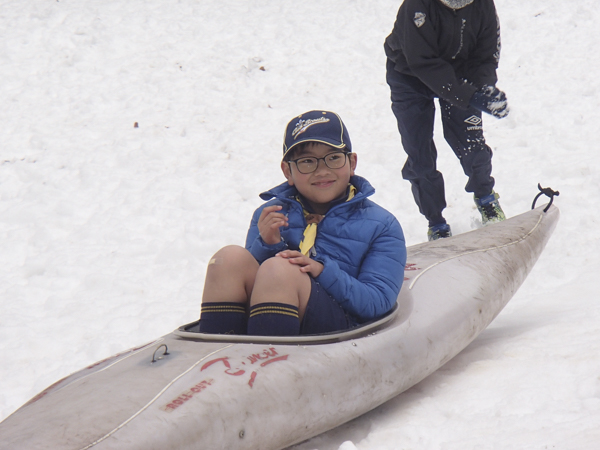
x=186 y=390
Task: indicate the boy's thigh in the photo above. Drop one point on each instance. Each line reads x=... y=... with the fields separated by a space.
x=323 y=314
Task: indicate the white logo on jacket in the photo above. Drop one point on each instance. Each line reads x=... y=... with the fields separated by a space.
x=419 y=19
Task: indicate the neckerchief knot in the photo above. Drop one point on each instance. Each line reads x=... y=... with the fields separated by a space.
x=312 y=220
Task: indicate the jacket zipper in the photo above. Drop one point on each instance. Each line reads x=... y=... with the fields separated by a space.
x=463 y=24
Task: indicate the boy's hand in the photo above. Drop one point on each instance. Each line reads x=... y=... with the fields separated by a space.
x=306 y=264
x=269 y=222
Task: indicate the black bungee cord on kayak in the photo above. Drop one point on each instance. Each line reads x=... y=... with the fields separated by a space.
x=548 y=192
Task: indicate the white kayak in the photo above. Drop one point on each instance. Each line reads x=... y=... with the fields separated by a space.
x=192 y=391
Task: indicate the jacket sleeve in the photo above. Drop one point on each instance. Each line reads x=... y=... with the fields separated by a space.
x=484 y=60
x=375 y=290
x=423 y=57
x=256 y=246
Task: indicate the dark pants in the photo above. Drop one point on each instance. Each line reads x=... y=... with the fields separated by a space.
x=414 y=108
x=323 y=314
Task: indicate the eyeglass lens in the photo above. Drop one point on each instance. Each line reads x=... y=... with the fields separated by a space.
x=335 y=160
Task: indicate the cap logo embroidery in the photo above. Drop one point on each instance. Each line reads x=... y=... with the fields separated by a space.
x=304 y=125
x=419 y=19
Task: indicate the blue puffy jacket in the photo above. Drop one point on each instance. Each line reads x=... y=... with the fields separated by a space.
x=360 y=244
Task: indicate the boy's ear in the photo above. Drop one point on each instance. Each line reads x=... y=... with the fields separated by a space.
x=353 y=161
x=285 y=168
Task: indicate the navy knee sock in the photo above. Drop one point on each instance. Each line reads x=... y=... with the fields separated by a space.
x=223 y=318
x=274 y=319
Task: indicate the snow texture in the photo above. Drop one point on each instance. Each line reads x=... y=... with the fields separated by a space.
x=136 y=136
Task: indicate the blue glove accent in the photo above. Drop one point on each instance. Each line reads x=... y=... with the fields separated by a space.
x=490 y=100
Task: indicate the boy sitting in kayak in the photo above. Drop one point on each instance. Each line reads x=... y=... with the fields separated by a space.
x=319 y=256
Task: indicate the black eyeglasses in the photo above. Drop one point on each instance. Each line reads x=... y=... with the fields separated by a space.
x=309 y=164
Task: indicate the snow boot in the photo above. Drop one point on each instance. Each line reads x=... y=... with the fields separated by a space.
x=490 y=209
x=438 y=231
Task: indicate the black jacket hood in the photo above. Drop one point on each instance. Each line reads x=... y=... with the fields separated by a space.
x=456 y=4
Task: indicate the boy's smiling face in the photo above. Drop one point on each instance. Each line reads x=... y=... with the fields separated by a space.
x=324 y=185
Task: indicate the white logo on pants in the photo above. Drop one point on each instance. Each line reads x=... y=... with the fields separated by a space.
x=473 y=120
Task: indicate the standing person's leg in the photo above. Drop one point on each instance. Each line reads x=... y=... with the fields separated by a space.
x=227 y=289
x=414 y=108
x=464 y=133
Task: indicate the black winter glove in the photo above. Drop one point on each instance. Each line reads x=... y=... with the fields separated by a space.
x=490 y=100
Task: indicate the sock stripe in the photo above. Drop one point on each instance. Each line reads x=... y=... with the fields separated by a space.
x=222 y=309
x=223 y=318
x=272 y=309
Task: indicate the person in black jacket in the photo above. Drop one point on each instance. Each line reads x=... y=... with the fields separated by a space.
x=446 y=49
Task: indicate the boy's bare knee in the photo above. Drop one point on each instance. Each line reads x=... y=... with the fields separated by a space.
x=280 y=270
x=232 y=262
x=231 y=255
x=231 y=250
x=230 y=275
x=280 y=281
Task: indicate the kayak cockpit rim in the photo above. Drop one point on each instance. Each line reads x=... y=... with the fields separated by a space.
x=187 y=332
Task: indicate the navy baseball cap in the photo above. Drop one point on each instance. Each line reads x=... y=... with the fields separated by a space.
x=325 y=127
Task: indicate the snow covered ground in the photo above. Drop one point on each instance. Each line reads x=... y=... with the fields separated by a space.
x=106 y=227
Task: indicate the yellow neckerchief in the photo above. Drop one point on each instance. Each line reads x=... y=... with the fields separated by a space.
x=312 y=220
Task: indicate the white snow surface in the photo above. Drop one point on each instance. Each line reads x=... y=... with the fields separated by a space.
x=106 y=228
